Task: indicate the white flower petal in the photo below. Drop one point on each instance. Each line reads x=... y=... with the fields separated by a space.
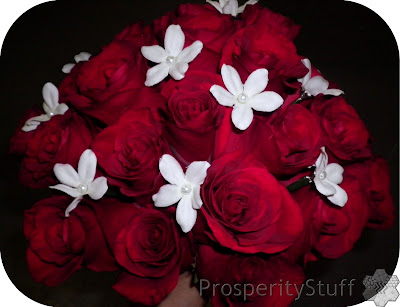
x=66 y=174
x=154 y=53
x=250 y=2
x=156 y=74
x=191 y=52
x=168 y=195
x=322 y=161
x=196 y=198
x=61 y=109
x=87 y=166
x=231 y=79
x=178 y=71
x=333 y=92
x=82 y=57
x=307 y=77
x=256 y=82
x=197 y=172
x=174 y=40
x=98 y=188
x=67 y=68
x=171 y=170
x=324 y=187
x=66 y=189
x=334 y=173
x=216 y=5
x=30 y=126
x=185 y=214
x=223 y=96
x=339 y=198
x=242 y=116
x=316 y=85
x=72 y=205
x=231 y=7
x=266 y=101
x=50 y=95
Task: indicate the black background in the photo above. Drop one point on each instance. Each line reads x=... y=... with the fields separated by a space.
x=350 y=44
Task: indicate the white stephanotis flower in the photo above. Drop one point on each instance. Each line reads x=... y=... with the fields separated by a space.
x=327 y=179
x=81 y=57
x=316 y=85
x=172 y=60
x=183 y=188
x=245 y=98
x=78 y=184
x=51 y=108
x=230 y=6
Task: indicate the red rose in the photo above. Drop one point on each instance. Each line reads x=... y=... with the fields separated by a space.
x=149 y=246
x=254 y=47
x=129 y=151
x=264 y=18
x=345 y=134
x=233 y=280
x=289 y=142
x=109 y=83
x=59 y=246
x=246 y=209
x=59 y=140
x=193 y=115
x=200 y=22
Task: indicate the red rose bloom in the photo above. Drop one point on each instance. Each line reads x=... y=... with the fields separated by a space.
x=193 y=115
x=59 y=246
x=246 y=209
x=254 y=281
x=109 y=83
x=59 y=140
x=289 y=142
x=149 y=246
x=129 y=152
x=345 y=134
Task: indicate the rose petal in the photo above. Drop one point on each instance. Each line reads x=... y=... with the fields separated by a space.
x=232 y=80
x=66 y=174
x=66 y=189
x=154 y=53
x=98 y=188
x=334 y=173
x=256 y=82
x=316 y=85
x=156 y=74
x=340 y=197
x=185 y=214
x=191 y=52
x=178 y=71
x=266 y=102
x=174 y=40
x=50 y=95
x=324 y=187
x=87 y=166
x=168 y=195
x=242 y=116
x=223 y=96
x=197 y=172
x=171 y=170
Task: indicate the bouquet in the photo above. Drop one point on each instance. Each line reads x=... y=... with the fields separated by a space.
x=198 y=143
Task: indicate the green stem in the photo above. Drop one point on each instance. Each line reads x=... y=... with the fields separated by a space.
x=301 y=183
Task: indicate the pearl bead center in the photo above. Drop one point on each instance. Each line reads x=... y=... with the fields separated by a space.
x=170 y=60
x=50 y=113
x=322 y=175
x=242 y=98
x=82 y=188
x=186 y=189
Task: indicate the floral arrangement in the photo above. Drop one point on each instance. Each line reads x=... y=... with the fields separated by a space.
x=202 y=142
